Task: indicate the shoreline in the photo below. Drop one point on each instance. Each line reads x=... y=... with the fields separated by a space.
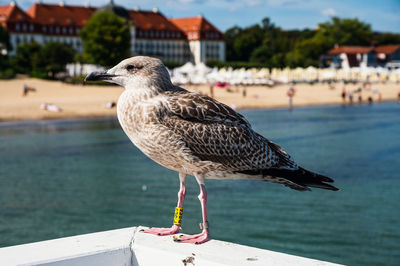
x=77 y=101
x=101 y=117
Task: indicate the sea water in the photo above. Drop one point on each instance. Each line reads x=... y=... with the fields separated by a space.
x=69 y=177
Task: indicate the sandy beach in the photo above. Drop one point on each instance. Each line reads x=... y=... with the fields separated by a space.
x=89 y=100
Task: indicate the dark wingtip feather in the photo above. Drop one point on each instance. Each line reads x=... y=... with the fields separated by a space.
x=300 y=178
x=323 y=186
x=311 y=179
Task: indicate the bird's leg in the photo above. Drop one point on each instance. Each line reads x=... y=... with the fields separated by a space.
x=204 y=235
x=174 y=229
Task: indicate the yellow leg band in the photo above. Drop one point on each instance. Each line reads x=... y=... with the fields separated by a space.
x=178 y=215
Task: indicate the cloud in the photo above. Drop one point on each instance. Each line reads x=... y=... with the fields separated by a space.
x=329 y=12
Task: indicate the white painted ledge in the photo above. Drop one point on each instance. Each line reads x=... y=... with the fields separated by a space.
x=130 y=247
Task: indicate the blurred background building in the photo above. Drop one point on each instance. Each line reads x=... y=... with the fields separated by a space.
x=362 y=56
x=192 y=39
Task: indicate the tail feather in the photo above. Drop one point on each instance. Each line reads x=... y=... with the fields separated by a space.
x=300 y=176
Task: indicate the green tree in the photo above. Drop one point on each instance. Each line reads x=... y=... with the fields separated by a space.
x=4 y=39
x=6 y=68
x=344 y=32
x=24 y=58
x=261 y=54
x=4 y=47
x=230 y=35
x=247 y=41
x=386 y=38
x=307 y=53
x=106 y=39
x=52 y=59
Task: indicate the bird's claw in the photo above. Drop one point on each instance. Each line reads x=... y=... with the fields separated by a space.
x=193 y=239
x=162 y=231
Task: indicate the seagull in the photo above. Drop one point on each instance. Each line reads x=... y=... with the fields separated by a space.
x=196 y=135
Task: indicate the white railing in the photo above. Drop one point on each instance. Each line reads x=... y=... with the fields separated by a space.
x=128 y=246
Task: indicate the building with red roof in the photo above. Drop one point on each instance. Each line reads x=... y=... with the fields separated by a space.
x=206 y=41
x=152 y=33
x=362 y=56
x=353 y=56
x=388 y=55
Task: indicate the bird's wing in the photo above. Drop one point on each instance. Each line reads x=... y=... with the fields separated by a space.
x=214 y=132
x=195 y=106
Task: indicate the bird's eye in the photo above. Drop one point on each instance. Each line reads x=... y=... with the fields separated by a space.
x=130 y=67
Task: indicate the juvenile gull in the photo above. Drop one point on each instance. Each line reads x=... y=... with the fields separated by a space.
x=196 y=135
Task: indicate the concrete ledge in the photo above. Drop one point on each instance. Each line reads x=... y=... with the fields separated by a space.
x=130 y=247
x=103 y=248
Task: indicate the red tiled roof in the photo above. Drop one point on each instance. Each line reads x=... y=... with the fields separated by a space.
x=12 y=13
x=149 y=20
x=194 y=28
x=200 y=26
x=387 y=49
x=4 y=14
x=350 y=50
x=47 y=14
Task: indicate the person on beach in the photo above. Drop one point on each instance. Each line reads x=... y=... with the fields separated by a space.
x=110 y=105
x=244 y=92
x=344 y=93
x=50 y=107
x=290 y=93
x=212 y=90
x=351 y=98
x=26 y=90
x=398 y=96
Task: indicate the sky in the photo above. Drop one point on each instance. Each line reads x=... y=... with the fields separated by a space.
x=383 y=15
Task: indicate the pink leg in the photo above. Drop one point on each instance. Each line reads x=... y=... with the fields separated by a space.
x=204 y=235
x=174 y=229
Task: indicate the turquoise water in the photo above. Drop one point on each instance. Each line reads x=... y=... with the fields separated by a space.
x=62 y=178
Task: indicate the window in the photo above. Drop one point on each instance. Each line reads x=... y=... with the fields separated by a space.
x=64 y=30
x=24 y=27
x=31 y=27
x=71 y=30
x=57 y=29
x=17 y=27
x=44 y=29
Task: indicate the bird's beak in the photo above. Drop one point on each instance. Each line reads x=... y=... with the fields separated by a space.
x=97 y=76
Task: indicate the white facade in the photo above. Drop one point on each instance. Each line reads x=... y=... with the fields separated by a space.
x=168 y=50
x=20 y=38
x=204 y=50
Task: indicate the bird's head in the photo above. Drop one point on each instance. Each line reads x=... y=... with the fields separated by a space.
x=135 y=73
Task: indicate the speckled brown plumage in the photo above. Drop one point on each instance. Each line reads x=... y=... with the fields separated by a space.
x=194 y=134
